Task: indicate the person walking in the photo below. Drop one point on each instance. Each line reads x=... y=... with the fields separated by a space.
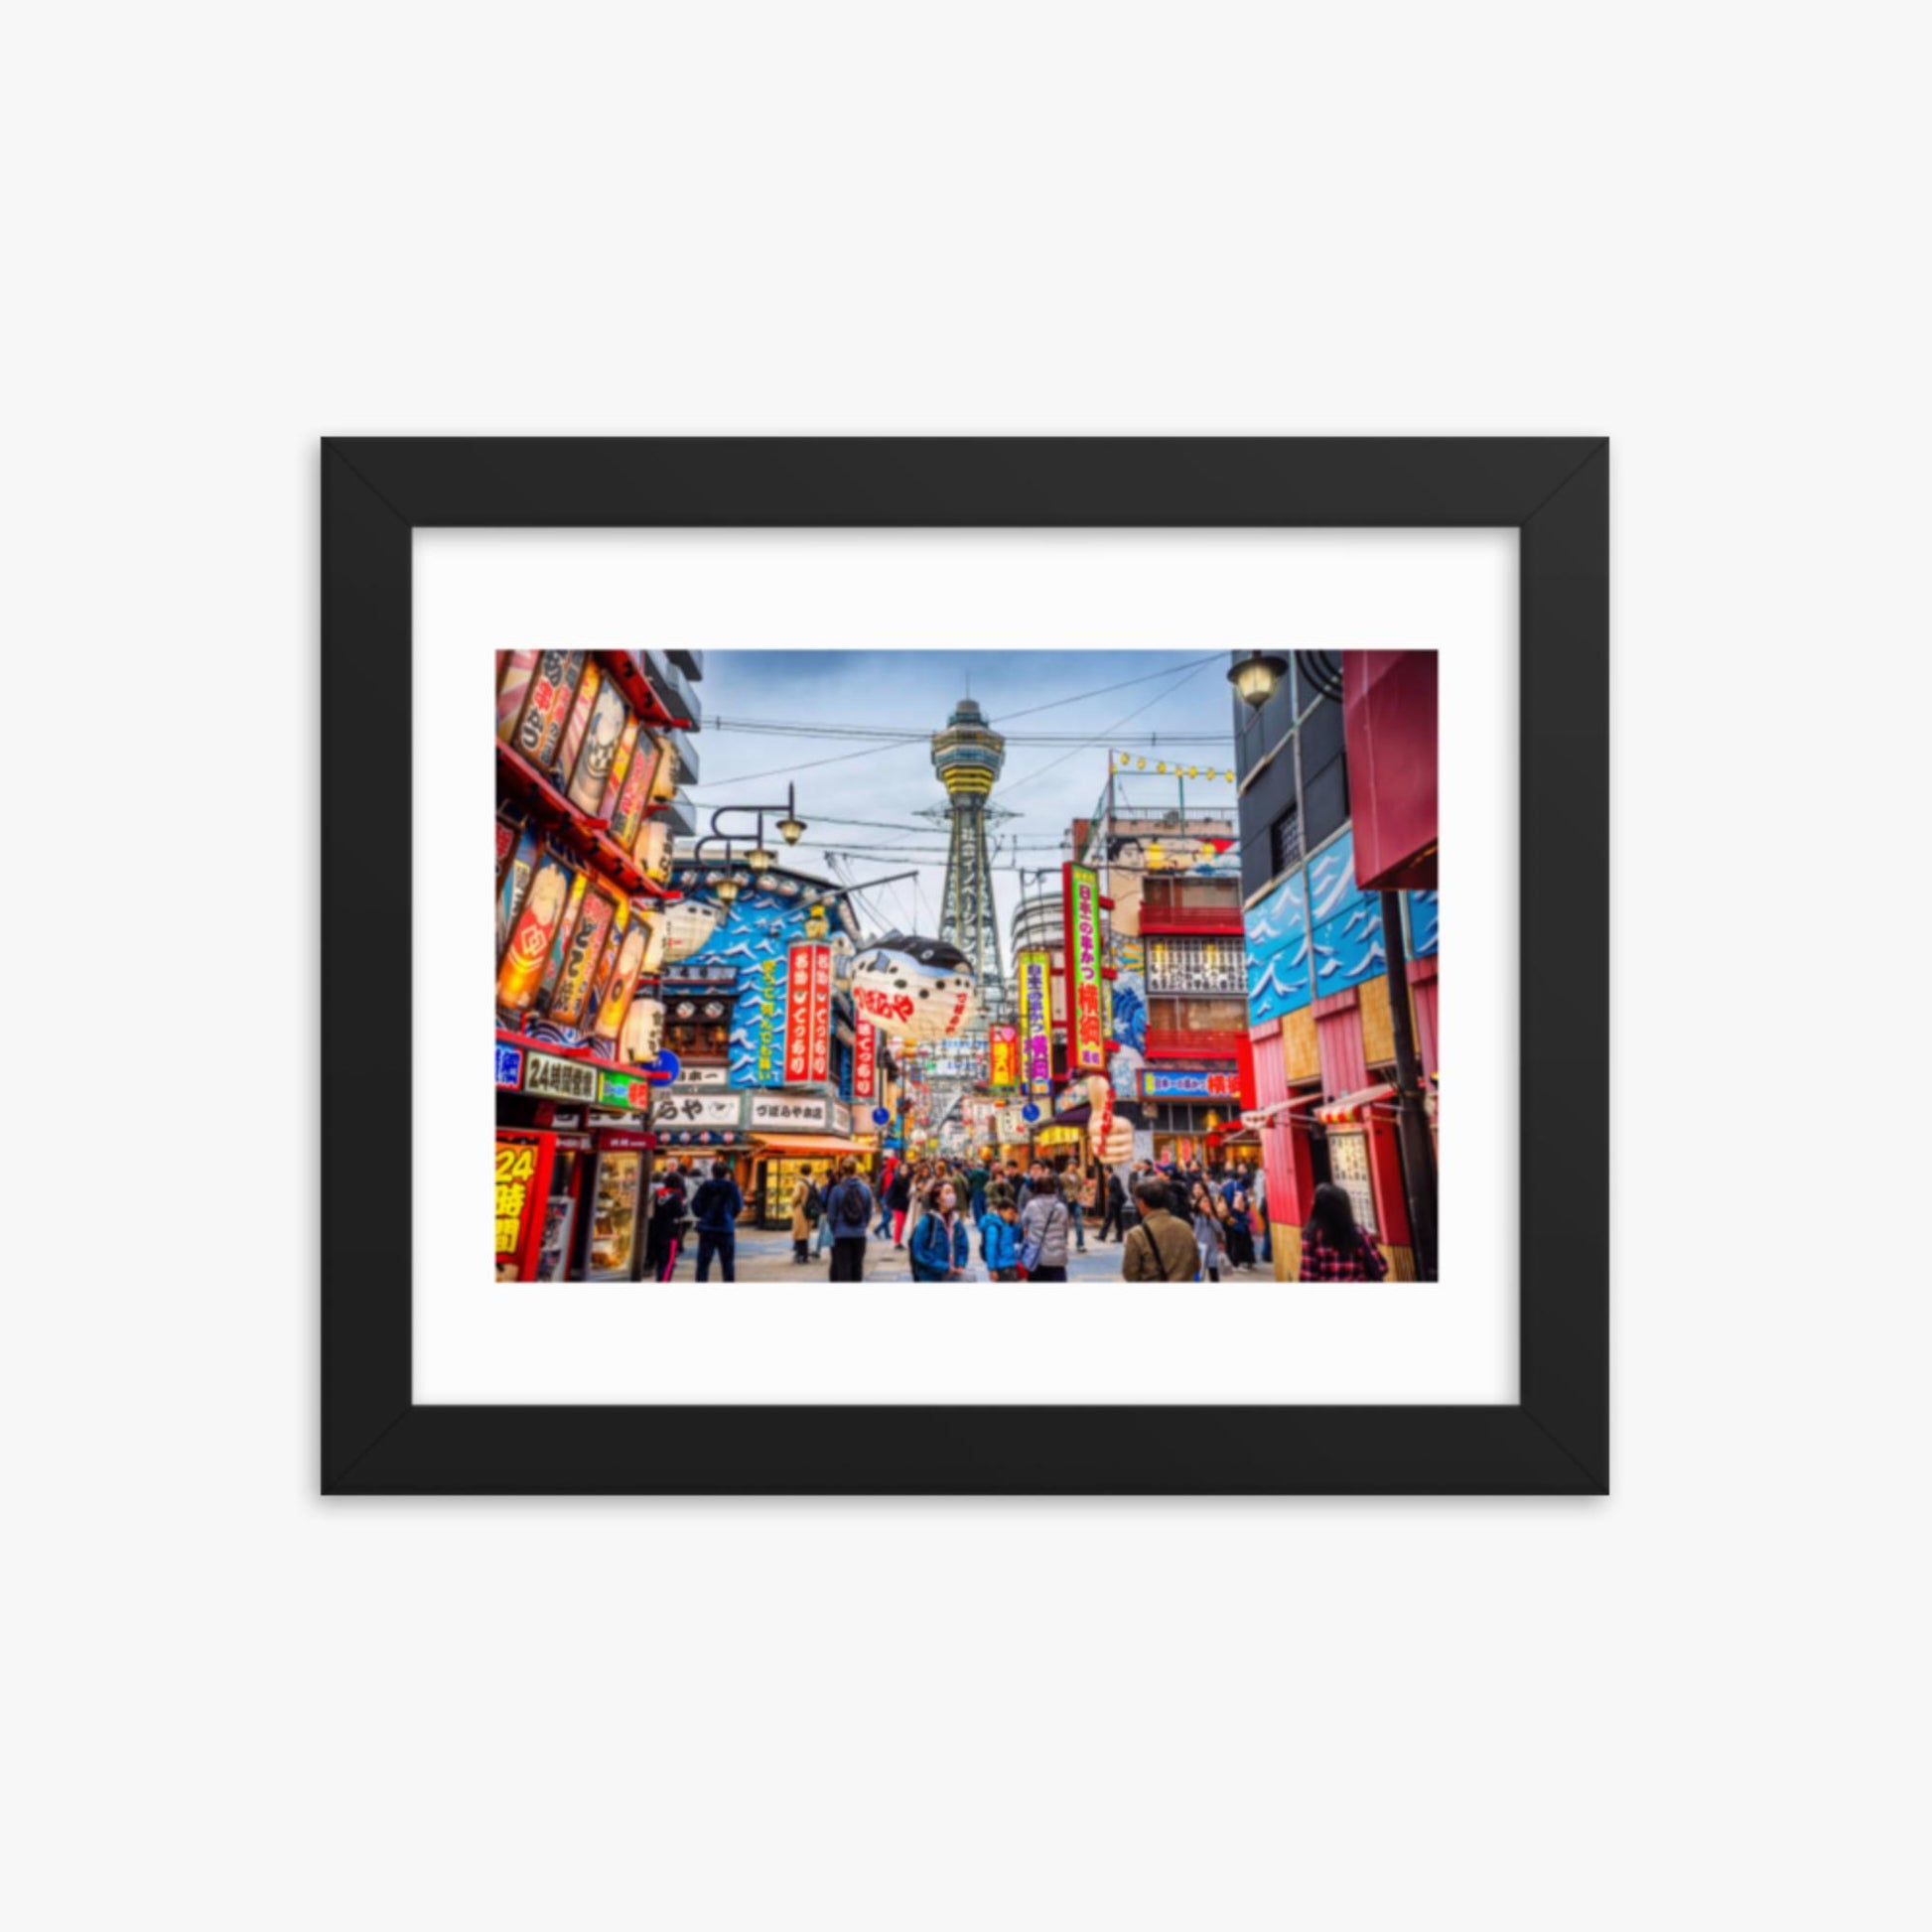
x=999 y=1236
x=976 y=1191
x=716 y=1208
x=1334 y=1246
x=668 y=1217
x=1116 y=1210
x=1077 y=1185
x=823 y=1220
x=898 y=1193
x=1258 y=1191
x=1209 y=1238
x=1159 y=1248
x=804 y=1194
x=940 y=1252
x=1045 y=1225
x=1240 y=1224
x=848 y=1213
x=885 y=1174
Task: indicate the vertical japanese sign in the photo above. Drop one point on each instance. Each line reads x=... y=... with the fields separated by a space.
x=865 y=1060
x=1086 y=1033
x=522 y=1183
x=765 y=1030
x=808 y=1014
x=1035 y=1018
x=1004 y=1056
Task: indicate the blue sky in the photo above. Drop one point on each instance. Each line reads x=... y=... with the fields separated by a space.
x=1121 y=697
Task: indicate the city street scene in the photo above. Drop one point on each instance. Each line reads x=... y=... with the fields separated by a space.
x=994 y=966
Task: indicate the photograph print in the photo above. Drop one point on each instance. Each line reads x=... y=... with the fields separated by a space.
x=966 y=966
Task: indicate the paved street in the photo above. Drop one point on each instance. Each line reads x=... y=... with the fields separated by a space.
x=766 y=1257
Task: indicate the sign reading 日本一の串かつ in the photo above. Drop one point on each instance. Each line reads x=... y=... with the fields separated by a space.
x=1086 y=1033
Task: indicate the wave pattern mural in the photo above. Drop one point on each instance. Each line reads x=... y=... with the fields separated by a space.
x=1317 y=932
x=756 y=940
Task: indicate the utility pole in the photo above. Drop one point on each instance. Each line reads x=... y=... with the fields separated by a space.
x=1411 y=1123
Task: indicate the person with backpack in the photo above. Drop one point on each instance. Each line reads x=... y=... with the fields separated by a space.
x=1045 y=1225
x=805 y=1211
x=1157 y=1248
x=884 y=1223
x=716 y=1208
x=848 y=1213
x=669 y=1219
x=1334 y=1246
x=940 y=1250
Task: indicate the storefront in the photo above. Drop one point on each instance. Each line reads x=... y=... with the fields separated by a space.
x=573 y=1160
x=1187 y=1108
x=1365 y=1160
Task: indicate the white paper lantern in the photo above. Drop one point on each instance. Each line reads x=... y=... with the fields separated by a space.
x=644 y=1031
x=688 y=923
x=655 y=940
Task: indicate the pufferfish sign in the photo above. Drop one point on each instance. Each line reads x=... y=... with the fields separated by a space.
x=913 y=988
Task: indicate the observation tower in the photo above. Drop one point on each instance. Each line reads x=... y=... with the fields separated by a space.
x=968 y=756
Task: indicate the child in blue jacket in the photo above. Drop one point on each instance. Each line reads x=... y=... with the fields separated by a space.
x=1000 y=1238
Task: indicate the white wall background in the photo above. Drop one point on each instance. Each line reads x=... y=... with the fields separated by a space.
x=230 y=228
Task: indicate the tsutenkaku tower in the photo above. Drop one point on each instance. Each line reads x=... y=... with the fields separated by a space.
x=968 y=756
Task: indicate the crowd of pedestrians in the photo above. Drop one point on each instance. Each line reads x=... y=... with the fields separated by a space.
x=952 y=1219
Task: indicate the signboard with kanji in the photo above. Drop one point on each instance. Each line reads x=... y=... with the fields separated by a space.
x=1086 y=1032
x=808 y=1014
x=522 y=1185
x=1035 y=1020
x=1004 y=1054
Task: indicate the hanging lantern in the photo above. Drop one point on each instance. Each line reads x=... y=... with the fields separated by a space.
x=760 y=860
x=815 y=923
x=644 y=1031
x=688 y=924
x=656 y=937
x=792 y=828
x=914 y=989
x=726 y=888
x=653 y=850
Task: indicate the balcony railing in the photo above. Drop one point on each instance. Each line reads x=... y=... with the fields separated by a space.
x=1180 y=1043
x=1214 y=920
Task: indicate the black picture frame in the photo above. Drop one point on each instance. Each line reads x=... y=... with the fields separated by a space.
x=1554 y=491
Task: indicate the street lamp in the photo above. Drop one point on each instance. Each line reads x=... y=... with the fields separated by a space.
x=759 y=859
x=792 y=828
x=1256 y=676
x=727 y=889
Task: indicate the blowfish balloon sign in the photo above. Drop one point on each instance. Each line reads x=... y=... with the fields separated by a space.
x=912 y=988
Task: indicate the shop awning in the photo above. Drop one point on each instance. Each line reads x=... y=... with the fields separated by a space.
x=808 y=1144
x=1348 y=1105
x=1070 y=1117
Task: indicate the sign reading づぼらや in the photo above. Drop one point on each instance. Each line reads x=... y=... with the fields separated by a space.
x=1086 y=1030
x=802 y=1113
x=696 y=1110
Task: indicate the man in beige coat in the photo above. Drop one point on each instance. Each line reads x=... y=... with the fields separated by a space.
x=1161 y=1248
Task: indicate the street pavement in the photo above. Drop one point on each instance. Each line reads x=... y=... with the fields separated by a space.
x=766 y=1257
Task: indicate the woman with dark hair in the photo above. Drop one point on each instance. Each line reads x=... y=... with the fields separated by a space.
x=1334 y=1247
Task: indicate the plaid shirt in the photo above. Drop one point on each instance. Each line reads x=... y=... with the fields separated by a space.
x=1322 y=1263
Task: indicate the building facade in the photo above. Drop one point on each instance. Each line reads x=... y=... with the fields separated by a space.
x=1345 y=744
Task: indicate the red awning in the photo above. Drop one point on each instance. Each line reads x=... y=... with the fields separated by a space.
x=1348 y=1105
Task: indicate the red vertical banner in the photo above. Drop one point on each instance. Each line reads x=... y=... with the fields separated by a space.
x=808 y=1014
x=864 y=1059
x=821 y=1014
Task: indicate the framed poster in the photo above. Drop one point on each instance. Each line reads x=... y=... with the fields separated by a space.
x=440 y=1376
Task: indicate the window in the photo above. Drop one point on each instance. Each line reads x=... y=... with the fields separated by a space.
x=1327 y=797
x=1182 y=894
x=1285 y=842
x=698 y=1029
x=1196 y=966
x=1198 y=1015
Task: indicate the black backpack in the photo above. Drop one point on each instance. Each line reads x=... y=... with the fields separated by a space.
x=855 y=1204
